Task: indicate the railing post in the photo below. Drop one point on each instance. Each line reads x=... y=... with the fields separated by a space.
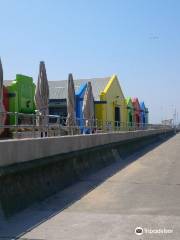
x=16 y=121
x=59 y=125
x=34 y=124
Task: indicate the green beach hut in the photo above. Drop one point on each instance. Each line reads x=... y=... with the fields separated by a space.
x=21 y=95
x=130 y=112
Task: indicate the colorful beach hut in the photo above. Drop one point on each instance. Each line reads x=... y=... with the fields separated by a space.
x=143 y=114
x=21 y=95
x=137 y=111
x=112 y=108
x=130 y=112
x=79 y=104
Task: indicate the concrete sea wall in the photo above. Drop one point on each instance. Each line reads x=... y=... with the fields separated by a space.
x=33 y=169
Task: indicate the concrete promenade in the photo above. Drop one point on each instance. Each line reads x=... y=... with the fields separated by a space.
x=142 y=191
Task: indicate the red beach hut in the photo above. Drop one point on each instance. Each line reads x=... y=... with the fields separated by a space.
x=137 y=111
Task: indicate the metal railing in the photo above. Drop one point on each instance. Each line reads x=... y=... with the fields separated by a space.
x=24 y=125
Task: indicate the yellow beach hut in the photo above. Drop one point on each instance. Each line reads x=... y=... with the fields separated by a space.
x=111 y=109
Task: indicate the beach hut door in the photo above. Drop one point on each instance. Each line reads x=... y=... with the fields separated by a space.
x=117 y=116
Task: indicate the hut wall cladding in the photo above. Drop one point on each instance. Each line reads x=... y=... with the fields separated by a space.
x=26 y=183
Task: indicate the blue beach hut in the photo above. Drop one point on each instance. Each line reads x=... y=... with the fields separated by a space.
x=79 y=103
x=143 y=119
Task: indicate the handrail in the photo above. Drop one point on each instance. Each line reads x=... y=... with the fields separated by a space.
x=35 y=123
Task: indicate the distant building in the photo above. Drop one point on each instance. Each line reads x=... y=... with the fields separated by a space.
x=147 y=115
x=58 y=93
x=167 y=122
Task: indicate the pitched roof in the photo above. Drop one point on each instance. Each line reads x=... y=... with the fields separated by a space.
x=58 y=89
x=129 y=102
x=142 y=106
x=81 y=90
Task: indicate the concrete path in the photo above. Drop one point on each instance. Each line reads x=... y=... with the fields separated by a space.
x=111 y=203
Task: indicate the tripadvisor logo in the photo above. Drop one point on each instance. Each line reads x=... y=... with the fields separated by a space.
x=139 y=231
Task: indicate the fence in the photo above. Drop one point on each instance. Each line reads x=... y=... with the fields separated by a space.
x=21 y=125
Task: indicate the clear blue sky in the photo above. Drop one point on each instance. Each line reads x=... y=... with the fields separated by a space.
x=139 y=40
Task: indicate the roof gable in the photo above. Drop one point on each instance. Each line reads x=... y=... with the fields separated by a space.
x=129 y=102
x=80 y=92
x=111 y=80
x=142 y=106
